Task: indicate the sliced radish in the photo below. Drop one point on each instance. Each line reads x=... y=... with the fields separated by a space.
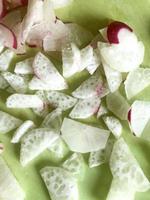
x=60 y=100
x=17 y=82
x=60 y=183
x=102 y=110
x=85 y=108
x=125 y=167
x=8 y=122
x=137 y=81
x=2 y=9
x=24 y=2
x=140 y=116
x=92 y=87
x=118 y=105
x=3 y=83
x=23 y=101
x=24 y=67
x=113 y=125
x=5 y=59
x=9 y=186
x=35 y=142
x=83 y=138
x=21 y=130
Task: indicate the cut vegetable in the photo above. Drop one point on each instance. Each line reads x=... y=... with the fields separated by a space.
x=2 y=9
x=35 y=142
x=118 y=105
x=5 y=59
x=85 y=108
x=140 y=116
x=83 y=138
x=24 y=67
x=103 y=32
x=24 y=101
x=137 y=81
x=60 y=100
x=61 y=3
x=8 y=122
x=3 y=83
x=60 y=183
x=21 y=130
x=102 y=110
x=9 y=186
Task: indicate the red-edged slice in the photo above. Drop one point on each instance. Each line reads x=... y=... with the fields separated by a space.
x=24 y=2
x=113 y=30
x=2 y=9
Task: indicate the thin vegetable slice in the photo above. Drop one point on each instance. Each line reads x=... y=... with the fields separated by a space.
x=24 y=67
x=9 y=186
x=2 y=9
x=5 y=59
x=85 y=108
x=21 y=130
x=60 y=183
x=83 y=138
x=23 y=101
x=60 y=100
x=8 y=122
x=35 y=142
x=102 y=110
x=3 y=83
x=137 y=81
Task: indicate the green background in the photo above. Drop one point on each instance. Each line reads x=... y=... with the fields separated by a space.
x=92 y=14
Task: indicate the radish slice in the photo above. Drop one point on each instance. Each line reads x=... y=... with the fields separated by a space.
x=113 y=125
x=23 y=101
x=5 y=59
x=24 y=2
x=85 y=108
x=60 y=100
x=83 y=138
x=60 y=183
x=9 y=186
x=125 y=167
x=102 y=110
x=8 y=122
x=140 y=116
x=21 y=130
x=35 y=142
x=24 y=67
x=3 y=83
x=2 y=9
x=118 y=105
x=61 y=3
x=74 y=164
x=92 y=87
x=137 y=81
x=17 y=82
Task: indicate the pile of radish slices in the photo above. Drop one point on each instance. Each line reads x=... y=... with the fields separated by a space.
x=114 y=78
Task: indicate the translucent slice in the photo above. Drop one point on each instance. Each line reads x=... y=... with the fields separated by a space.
x=118 y=105
x=8 y=122
x=61 y=3
x=3 y=83
x=140 y=116
x=60 y=183
x=113 y=125
x=17 y=82
x=125 y=168
x=47 y=73
x=137 y=81
x=102 y=110
x=74 y=164
x=24 y=67
x=83 y=138
x=9 y=186
x=71 y=59
x=23 y=101
x=92 y=87
x=60 y=100
x=35 y=142
x=21 y=130
x=85 y=108
x=5 y=59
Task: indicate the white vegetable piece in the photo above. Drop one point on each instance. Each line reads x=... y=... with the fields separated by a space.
x=9 y=186
x=137 y=81
x=102 y=110
x=35 y=142
x=118 y=105
x=8 y=122
x=24 y=67
x=3 y=83
x=103 y=32
x=17 y=82
x=5 y=59
x=60 y=183
x=61 y=3
x=140 y=116
x=85 y=108
x=113 y=125
x=21 y=130
x=23 y=101
x=60 y=100
x=83 y=138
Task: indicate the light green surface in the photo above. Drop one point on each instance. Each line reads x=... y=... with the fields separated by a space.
x=93 y=14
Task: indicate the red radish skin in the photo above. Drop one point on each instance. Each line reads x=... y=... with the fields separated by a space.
x=24 y=2
x=3 y=10
x=129 y=116
x=113 y=30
